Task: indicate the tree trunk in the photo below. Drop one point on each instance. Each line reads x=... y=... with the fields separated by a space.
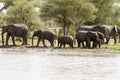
x=64 y=30
x=67 y=30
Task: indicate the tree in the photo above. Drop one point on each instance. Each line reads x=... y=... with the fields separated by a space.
x=84 y=11
x=67 y=12
x=23 y=12
x=59 y=11
x=105 y=10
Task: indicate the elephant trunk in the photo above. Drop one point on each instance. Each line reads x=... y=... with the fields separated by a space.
x=119 y=38
x=32 y=40
x=2 y=38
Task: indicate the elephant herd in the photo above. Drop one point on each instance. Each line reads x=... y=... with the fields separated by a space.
x=85 y=35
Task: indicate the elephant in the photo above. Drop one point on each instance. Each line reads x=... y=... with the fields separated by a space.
x=81 y=38
x=118 y=28
x=44 y=35
x=101 y=36
x=87 y=36
x=15 y=30
x=107 y=30
x=63 y=40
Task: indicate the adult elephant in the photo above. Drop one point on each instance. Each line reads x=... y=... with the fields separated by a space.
x=15 y=30
x=44 y=35
x=63 y=40
x=118 y=28
x=107 y=30
x=101 y=36
x=81 y=38
x=87 y=36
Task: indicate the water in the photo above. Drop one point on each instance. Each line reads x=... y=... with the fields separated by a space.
x=59 y=64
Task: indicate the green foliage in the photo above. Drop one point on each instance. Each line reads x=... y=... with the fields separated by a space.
x=1 y=18
x=23 y=12
x=116 y=47
x=84 y=11
x=59 y=11
x=67 y=12
x=72 y=31
x=116 y=15
x=105 y=8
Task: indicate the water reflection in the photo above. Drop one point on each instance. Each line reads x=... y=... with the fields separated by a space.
x=59 y=64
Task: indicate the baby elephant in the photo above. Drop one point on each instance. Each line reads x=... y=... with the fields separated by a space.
x=63 y=40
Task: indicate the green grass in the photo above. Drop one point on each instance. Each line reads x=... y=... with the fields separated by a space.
x=111 y=46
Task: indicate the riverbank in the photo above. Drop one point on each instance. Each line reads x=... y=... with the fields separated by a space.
x=18 y=43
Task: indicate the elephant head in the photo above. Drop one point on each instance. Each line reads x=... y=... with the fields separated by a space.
x=4 y=30
x=38 y=34
x=92 y=36
x=118 y=28
x=34 y=34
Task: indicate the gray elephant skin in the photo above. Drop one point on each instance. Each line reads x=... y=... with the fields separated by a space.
x=87 y=36
x=63 y=40
x=15 y=30
x=118 y=28
x=101 y=37
x=44 y=35
x=107 y=30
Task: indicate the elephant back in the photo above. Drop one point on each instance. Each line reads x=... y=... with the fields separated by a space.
x=66 y=39
x=48 y=35
x=20 y=30
x=84 y=27
x=81 y=33
x=22 y=26
x=112 y=29
x=92 y=35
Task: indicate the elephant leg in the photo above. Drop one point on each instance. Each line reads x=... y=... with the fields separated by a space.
x=25 y=40
x=95 y=43
x=7 y=38
x=52 y=43
x=71 y=44
x=64 y=45
x=78 y=42
x=102 y=41
x=107 y=40
x=38 y=41
x=99 y=43
x=119 y=38
x=115 y=40
x=44 y=42
x=83 y=45
x=13 y=40
x=23 y=43
x=60 y=45
x=88 y=43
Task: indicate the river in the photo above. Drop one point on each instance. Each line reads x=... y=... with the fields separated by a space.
x=59 y=64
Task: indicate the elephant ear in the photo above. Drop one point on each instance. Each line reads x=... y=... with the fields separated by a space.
x=4 y=26
x=89 y=33
x=115 y=28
